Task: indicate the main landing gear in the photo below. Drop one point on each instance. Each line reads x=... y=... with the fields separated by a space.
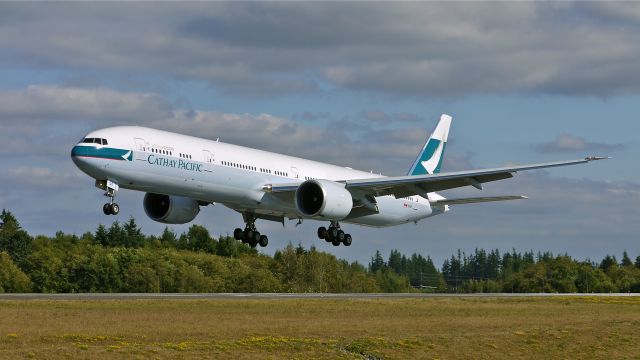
x=250 y=234
x=110 y=208
x=334 y=235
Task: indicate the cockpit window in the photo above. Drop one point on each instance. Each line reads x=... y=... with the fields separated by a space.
x=99 y=141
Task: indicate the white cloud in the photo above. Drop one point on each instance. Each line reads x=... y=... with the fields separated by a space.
x=43 y=177
x=571 y=143
x=398 y=49
x=50 y=102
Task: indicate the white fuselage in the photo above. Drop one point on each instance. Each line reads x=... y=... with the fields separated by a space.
x=167 y=163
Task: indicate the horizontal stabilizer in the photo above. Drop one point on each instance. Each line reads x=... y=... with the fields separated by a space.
x=475 y=200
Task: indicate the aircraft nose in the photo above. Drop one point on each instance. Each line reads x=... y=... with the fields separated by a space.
x=78 y=151
x=78 y=156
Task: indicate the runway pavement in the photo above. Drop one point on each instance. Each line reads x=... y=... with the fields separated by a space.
x=240 y=296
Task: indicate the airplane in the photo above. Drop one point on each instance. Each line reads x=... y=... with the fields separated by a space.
x=181 y=173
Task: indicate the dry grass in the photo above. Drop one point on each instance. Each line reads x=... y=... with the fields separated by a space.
x=444 y=328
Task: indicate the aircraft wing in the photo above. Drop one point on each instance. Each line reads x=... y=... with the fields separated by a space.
x=403 y=186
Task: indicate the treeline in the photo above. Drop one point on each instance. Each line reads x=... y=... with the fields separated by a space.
x=541 y=272
x=120 y=258
x=492 y=272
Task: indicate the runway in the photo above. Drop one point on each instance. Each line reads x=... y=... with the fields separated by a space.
x=272 y=296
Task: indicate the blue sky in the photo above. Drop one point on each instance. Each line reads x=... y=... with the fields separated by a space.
x=356 y=84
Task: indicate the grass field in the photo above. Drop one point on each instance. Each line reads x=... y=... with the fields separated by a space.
x=432 y=328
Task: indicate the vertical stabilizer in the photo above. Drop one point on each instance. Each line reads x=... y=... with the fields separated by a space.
x=430 y=158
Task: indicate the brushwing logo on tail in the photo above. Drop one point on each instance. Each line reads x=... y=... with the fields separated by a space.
x=429 y=161
x=433 y=164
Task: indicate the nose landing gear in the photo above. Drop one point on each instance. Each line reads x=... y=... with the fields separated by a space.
x=110 y=188
x=334 y=235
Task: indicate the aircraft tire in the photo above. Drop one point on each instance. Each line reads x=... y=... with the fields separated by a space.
x=106 y=209
x=238 y=234
x=256 y=237
x=347 y=240
x=333 y=232
x=248 y=235
x=322 y=232
x=264 y=240
x=340 y=236
x=335 y=242
x=115 y=209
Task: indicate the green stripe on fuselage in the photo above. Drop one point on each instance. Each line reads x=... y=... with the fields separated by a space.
x=102 y=152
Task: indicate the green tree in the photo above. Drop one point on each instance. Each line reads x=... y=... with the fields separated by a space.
x=102 y=236
x=168 y=237
x=116 y=236
x=377 y=262
x=626 y=261
x=390 y=282
x=14 y=240
x=12 y=279
x=609 y=263
x=395 y=262
x=228 y=247
x=198 y=239
x=134 y=236
x=141 y=279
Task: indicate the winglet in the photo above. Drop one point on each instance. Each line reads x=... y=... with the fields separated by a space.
x=594 y=158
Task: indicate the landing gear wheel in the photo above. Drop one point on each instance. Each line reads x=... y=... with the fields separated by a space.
x=340 y=236
x=106 y=209
x=248 y=235
x=322 y=232
x=333 y=232
x=335 y=242
x=264 y=240
x=347 y=240
x=115 y=209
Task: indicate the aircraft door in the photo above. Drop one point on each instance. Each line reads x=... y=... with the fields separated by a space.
x=208 y=159
x=141 y=145
x=295 y=172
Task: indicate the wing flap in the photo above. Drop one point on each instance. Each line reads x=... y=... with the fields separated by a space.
x=473 y=200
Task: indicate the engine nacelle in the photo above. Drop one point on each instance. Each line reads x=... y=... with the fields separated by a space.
x=324 y=198
x=170 y=209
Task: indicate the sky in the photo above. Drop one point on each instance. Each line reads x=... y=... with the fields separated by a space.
x=350 y=83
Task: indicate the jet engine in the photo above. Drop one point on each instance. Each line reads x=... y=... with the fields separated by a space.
x=323 y=198
x=170 y=209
